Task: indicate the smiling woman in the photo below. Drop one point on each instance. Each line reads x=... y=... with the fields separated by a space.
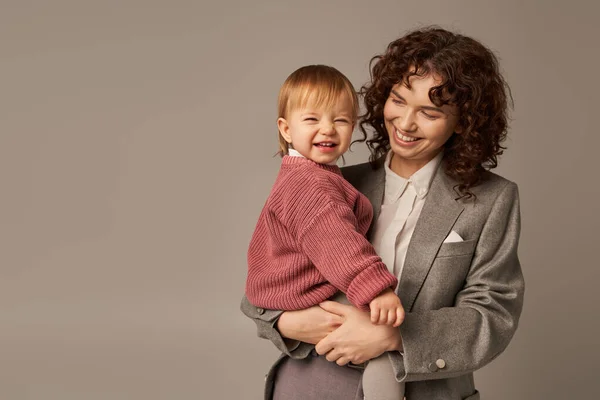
x=436 y=107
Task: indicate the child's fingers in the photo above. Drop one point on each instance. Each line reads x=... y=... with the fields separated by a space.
x=399 y=317
x=391 y=319
x=374 y=314
x=382 y=317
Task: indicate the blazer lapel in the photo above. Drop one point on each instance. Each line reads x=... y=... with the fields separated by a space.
x=439 y=214
x=374 y=192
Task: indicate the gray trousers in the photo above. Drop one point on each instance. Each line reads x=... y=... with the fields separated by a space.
x=315 y=378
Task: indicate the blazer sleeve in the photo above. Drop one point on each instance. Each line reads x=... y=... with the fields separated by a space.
x=486 y=311
x=266 y=321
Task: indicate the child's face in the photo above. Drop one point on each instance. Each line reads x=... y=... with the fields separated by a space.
x=321 y=135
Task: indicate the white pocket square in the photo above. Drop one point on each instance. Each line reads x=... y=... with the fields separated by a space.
x=453 y=237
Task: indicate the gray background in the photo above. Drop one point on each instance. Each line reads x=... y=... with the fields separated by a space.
x=136 y=143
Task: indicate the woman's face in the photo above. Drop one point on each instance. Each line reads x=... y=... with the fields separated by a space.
x=418 y=129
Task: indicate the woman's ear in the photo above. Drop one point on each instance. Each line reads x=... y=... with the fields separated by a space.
x=284 y=129
x=459 y=128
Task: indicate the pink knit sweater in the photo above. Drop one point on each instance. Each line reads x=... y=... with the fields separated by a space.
x=310 y=242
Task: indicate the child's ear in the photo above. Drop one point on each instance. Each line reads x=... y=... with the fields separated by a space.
x=284 y=129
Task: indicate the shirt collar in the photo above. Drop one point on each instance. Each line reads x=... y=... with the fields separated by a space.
x=296 y=153
x=395 y=184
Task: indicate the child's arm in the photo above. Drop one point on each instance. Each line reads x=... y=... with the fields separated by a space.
x=344 y=256
x=387 y=309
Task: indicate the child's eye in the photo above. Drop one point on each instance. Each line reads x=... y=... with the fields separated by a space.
x=310 y=119
x=342 y=121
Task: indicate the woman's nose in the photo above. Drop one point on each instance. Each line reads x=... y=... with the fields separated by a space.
x=407 y=121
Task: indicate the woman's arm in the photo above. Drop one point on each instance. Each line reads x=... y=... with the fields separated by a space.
x=292 y=332
x=486 y=311
x=467 y=336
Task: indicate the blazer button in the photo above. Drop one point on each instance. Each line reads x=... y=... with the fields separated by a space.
x=260 y=310
x=440 y=363
x=433 y=367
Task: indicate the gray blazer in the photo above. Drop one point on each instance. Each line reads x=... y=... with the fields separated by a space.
x=462 y=300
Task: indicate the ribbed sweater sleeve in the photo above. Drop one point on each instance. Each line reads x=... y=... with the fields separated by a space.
x=344 y=256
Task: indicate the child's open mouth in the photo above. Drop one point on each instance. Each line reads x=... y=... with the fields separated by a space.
x=325 y=144
x=326 y=147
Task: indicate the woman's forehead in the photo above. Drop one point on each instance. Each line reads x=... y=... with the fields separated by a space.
x=419 y=87
x=433 y=79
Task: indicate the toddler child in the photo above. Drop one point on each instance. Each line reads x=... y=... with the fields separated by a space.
x=309 y=242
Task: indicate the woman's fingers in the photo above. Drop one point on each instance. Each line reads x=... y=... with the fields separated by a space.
x=337 y=357
x=358 y=336
x=342 y=361
x=334 y=307
x=310 y=325
x=333 y=355
x=324 y=346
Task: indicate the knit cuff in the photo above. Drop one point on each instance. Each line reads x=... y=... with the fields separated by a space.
x=370 y=283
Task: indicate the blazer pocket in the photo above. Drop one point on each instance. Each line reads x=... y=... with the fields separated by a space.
x=454 y=249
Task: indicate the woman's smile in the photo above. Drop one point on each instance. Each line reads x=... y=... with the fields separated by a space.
x=405 y=140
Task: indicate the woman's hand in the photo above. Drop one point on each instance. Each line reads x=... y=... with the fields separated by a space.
x=309 y=325
x=357 y=340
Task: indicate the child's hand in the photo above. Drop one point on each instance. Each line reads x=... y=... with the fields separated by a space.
x=387 y=309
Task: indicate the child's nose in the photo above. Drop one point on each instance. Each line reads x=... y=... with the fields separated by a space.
x=328 y=128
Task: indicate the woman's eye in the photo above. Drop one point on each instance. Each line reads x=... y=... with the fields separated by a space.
x=397 y=102
x=429 y=116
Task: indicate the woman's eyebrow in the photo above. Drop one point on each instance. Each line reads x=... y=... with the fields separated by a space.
x=431 y=108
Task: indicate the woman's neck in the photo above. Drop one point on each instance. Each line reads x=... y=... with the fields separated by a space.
x=407 y=168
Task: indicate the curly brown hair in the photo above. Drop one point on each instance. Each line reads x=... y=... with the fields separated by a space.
x=471 y=80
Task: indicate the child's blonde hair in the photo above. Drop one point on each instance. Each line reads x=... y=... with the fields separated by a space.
x=318 y=85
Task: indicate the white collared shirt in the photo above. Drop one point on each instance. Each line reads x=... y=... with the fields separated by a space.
x=296 y=153
x=403 y=201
